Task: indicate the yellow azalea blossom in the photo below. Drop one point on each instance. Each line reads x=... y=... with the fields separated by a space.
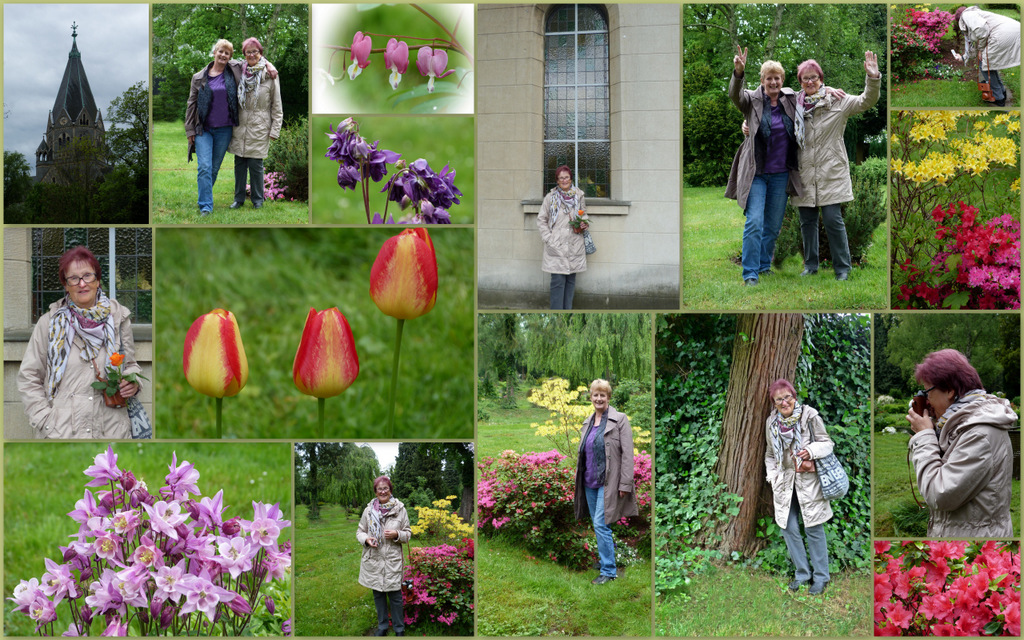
x=1016 y=185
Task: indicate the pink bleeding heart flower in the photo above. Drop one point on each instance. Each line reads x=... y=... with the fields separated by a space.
x=432 y=63
x=396 y=58
x=361 y=47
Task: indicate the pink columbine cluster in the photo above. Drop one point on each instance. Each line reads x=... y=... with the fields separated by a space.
x=430 y=62
x=947 y=589
x=168 y=563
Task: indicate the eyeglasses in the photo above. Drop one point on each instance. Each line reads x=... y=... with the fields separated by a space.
x=809 y=79
x=783 y=400
x=251 y=53
x=929 y=390
x=87 y=278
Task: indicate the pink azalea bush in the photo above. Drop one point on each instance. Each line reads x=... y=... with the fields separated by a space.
x=977 y=267
x=163 y=563
x=915 y=39
x=530 y=497
x=931 y=26
x=441 y=586
x=947 y=589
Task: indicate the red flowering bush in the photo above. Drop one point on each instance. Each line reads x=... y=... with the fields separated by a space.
x=916 y=41
x=530 y=497
x=441 y=590
x=977 y=266
x=947 y=589
x=930 y=25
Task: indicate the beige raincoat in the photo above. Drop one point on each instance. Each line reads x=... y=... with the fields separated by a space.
x=996 y=36
x=257 y=125
x=564 y=252
x=782 y=475
x=381 y=568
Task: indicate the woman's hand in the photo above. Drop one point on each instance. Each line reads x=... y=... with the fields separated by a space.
x=739 y=61
x=803 y=454
x=390 y=534
x=871 y=64
x=918 y=422
x=191 y=139
x=372 y=542
x=623 y=494
x=959 y=58
x=128 y=389
x=745 y=128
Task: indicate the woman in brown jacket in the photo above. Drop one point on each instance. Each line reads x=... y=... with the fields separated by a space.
x=961 y=450
x=383 y=529
x=604 y=474
x=70 y=344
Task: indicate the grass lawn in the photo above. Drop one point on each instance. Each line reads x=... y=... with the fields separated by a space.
x=892 y=487
x=712 y=230
x=42 y=482
x=270 y=279
x=520 y=595
x=730 y=601
x=174 y=188
x=329 y=601
x=510 y=430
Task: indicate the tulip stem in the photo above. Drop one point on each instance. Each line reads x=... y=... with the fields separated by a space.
x=220 y=416
x=390 y=432
x=320 y=404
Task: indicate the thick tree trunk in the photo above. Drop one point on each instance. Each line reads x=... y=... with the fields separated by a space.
x=766 y=348
x=466 y=505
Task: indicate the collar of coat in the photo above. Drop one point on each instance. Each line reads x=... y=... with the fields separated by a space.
x=614 y=415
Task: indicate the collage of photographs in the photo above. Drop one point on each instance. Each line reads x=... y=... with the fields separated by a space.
x=721 y=336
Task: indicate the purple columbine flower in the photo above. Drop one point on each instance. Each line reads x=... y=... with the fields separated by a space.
x=358 y=158
x=235 y=555
x=418 y=182
x=396 y=58
x=270 y=604
x=181 y=480
x=361 y=47
x=104 y=469
x=432 y=63
x=74 y=631
x=25 y=593
x=377 y=219
x=204 y=596
x=164 y=517
x=58 y=581
x=211 y=511
x=116 y=628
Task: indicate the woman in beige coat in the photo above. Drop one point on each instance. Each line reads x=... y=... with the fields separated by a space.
x=564 y=251
x=961 y=450
x=383 y=529
x=824 y=168
x=259 y=121
x=604 y=474
x=993 y=40
x=70 y=344
x=796 y=438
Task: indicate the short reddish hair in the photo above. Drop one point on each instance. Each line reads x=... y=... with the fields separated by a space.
x=80 y=253
x=565 y=169
x=386 y=479
x=810 y=65
x=252 y=41
x=948 y=370
x=780 y=384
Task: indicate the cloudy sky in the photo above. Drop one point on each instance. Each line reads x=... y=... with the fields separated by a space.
x=387 y=452
x=112 y=38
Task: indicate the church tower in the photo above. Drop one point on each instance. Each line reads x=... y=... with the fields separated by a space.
x=59 y=160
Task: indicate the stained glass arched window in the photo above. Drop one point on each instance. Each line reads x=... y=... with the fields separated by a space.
x=577 y=130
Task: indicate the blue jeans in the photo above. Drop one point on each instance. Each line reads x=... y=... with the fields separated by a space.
x=210 y=149
x=995 y=83
x=605 y=544
x=563 y=286
x=766 y=204
x=816 y=543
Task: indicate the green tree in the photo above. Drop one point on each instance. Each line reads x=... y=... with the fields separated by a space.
x=582 y=347
x=128 y=136
x=17 y=186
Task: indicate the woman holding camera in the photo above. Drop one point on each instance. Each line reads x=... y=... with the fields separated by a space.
x=796 y=438
x=961 y=450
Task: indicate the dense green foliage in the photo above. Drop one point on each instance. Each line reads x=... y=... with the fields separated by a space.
x=289 y=155
x=425 y=472
x=334 y=473
x=693 y=357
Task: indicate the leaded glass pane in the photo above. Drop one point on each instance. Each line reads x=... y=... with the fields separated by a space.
x=562 y=18
x=593 y=168
x=555 y=155
x=591 y=18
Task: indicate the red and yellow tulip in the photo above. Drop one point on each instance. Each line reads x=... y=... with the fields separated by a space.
x=403 y=280
x=326 y=363
x=214 y=359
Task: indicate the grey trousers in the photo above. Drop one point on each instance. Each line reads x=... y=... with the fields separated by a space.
x=835 y=229
x=995 y=83
x=816 y=543
x=381 y=599
x=562 y=289
x=254 y=167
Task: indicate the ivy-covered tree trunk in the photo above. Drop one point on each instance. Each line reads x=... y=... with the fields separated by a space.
x=766 y=348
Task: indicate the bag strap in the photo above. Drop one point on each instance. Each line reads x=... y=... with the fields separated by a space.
x=913 y=483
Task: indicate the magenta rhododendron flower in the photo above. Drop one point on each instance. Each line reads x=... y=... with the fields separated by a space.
x=361 y=47
x=432 y=63
x=396 y=58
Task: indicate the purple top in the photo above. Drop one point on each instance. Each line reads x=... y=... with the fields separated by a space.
x=591 y=479
x=219 y=116
x=775 y=162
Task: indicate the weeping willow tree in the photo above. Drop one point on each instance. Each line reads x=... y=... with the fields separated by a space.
x=582 y=347
x=334 y=473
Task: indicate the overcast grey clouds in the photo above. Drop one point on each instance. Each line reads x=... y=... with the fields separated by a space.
x=112 y=38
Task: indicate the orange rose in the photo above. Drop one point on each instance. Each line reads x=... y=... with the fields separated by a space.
x=116 y=359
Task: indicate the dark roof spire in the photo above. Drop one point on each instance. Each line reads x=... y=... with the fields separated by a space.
x=74 y=94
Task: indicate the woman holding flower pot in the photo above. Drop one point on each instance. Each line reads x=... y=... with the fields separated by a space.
x=604 y=474
x=565 y=254
x=77 y=342
x=383 y=529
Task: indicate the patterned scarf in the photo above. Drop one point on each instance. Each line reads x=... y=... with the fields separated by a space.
x=786 y=434
x=805 y=105
x=250 y=84
x=96 y=327
x=566 y=202
x=378 y=512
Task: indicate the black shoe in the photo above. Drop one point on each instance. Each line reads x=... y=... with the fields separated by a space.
x=235 y=205
x=817 y=588
x=750 y=282
x=842 y=276
x=809 y=272
x=399 y=633
x=766 y=273
x=257 y=205
x=602 y=580
x=796 y=584
x=378 y=632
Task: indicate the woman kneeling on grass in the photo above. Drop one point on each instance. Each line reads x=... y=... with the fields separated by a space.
x=383 y=529
x=604 y=474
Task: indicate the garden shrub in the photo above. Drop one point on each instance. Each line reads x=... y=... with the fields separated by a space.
x=916 y=42
x=713 y=134
x=529 y=498
x=441 y=586
x=947 y=588
x=440 y=521
x=289 y=156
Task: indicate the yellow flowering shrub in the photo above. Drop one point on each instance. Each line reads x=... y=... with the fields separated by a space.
x=441 y=522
